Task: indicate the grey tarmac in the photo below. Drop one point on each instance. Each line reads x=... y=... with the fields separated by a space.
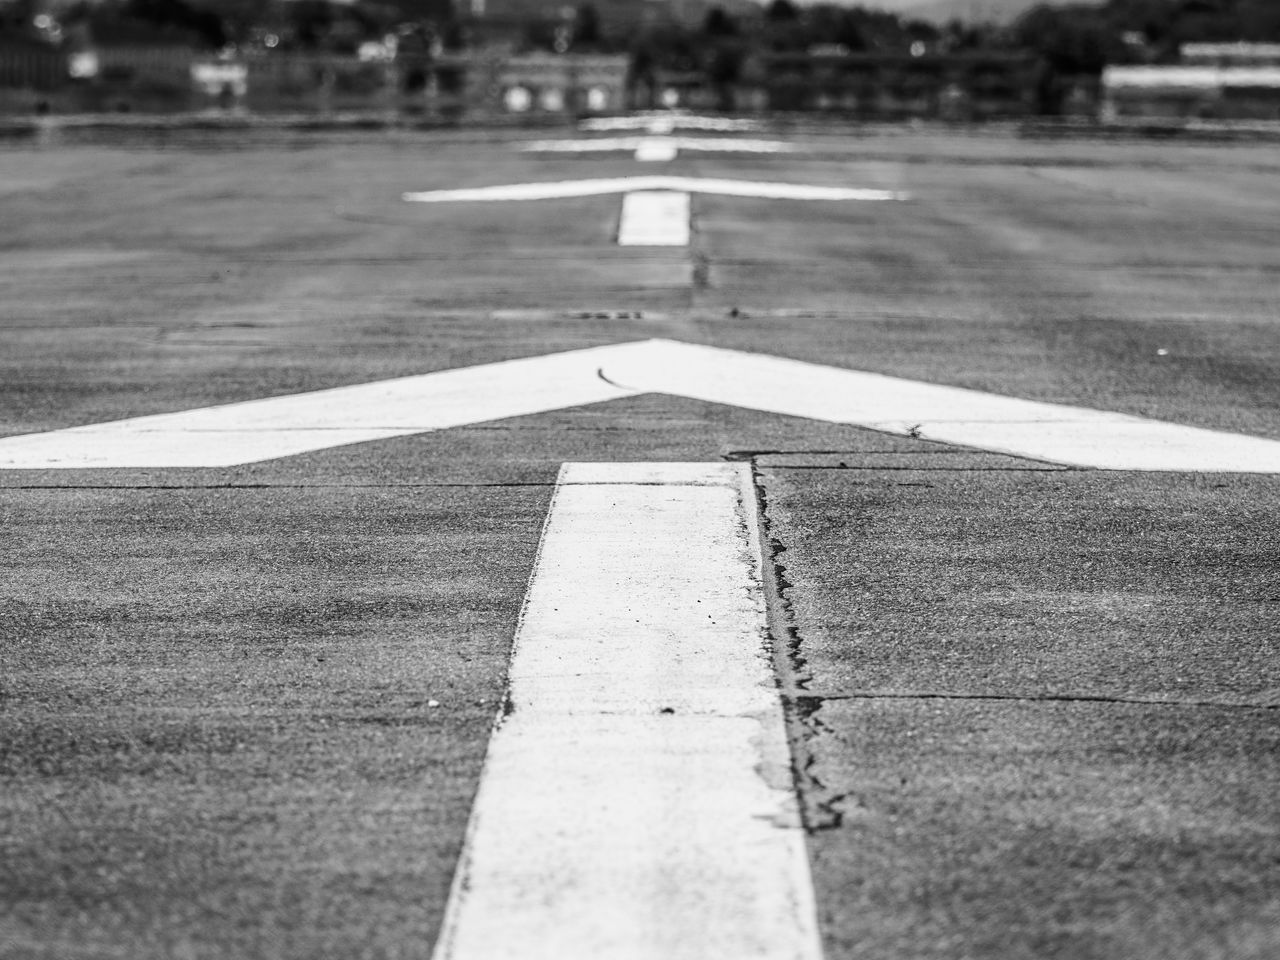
x=243 y=711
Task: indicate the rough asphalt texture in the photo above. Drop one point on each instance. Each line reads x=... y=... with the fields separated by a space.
x=243 y=711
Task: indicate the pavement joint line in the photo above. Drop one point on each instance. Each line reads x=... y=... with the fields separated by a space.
x=941 y=451
x=859 y=468
x=267 y=486
x=638 y=769
x=801 y=695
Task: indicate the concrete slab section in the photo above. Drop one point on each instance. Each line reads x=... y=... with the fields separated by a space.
x=1036 y=711
x=1031 y=583
x=1075 y=831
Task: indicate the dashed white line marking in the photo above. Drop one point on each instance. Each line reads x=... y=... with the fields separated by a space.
x=654 y=218
x=282 y=426
x=636 y=802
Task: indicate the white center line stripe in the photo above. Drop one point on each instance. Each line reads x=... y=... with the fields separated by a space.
x=654 y=218
x=657 y=149
x=636 y=801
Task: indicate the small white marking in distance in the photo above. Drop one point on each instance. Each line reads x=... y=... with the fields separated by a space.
x=666 y=122
x=273 y=427
x=655 y=145
x=657 y=149
x=636 y=801
x=654 y=218
x=553 y=190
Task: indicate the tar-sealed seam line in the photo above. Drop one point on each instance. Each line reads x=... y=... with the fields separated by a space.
x=804 y=695
x=883 y=469
x=819 y=805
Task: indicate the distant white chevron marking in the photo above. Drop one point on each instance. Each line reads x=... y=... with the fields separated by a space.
x=282 y=426
x=559 y=189
x=650 y=208
x=667 y=121
x=659 y=147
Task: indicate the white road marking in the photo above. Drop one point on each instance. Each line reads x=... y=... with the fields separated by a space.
x=666 y=122
x=282 y=426
x=659 y=147
x=636 y=801
x=558 y=189
x=654 y=218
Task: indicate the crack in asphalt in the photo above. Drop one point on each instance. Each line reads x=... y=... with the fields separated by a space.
x=1031 y=465
x=818 y=803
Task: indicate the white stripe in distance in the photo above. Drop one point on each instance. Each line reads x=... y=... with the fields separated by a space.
x=636 y=801
x=654 y=218
x=590 y=188
x=656 y=149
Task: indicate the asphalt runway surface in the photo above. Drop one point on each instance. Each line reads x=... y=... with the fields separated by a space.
x=1032 y=708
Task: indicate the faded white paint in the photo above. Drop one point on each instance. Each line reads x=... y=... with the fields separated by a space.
x=636 y=803
x=654 y=218
x=282 y=426
x=558 y=189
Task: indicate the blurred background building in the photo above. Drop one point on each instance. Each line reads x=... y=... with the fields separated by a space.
x=531 y=60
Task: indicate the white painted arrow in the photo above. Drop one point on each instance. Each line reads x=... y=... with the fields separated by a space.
x=283 y=426
x=667 y=121
x=655 y=211
x=559 y=189
x=659 y=147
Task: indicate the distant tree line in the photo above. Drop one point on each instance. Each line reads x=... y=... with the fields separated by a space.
x=1081 y=38
x=1077 y=38
x=215 y=24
